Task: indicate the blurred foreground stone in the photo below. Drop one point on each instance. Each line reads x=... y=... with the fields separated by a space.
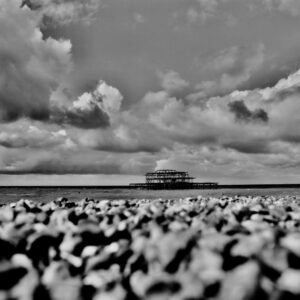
x=237 y=248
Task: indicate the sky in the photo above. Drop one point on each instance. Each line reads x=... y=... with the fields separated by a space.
x=99 y=92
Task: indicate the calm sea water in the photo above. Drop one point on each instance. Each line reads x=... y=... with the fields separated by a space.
x=46 y=194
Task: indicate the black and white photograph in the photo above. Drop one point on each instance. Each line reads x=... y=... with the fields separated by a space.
x=149 y=149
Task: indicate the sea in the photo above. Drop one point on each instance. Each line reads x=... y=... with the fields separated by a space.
x=47 y=194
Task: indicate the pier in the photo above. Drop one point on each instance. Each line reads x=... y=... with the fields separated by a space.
x=172 y=180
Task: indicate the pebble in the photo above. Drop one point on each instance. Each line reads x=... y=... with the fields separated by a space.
x=241 y=283
x=292 y=243
x=290 y=281
x=237 y=248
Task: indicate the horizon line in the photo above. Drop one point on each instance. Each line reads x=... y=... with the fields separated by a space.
x=220 y=186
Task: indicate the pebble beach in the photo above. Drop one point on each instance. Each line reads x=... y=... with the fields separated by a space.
x=235 y=248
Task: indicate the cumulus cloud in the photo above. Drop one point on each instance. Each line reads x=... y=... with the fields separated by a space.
x=232 y=68
x=172 y=82
x=248 y=122
x=91 y=109
x=32 y=70
x=30 y=66
x=126 y=137
x=242 y=112
x=84 y=113
x=44 y=125
x=24 y=135
x=227 y=165
x=64 y=11
x=224 y=133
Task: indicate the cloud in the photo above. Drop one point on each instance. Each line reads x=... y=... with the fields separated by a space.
x=139 y=18
x=33 y=70
x=172 y=82
x=242 y=112
x=248 y=122
x=91 y=110
x=17 y=161
x=46 y=128
x=64 y=11
x=211 y=8
x=208 y=5
x=291 y=7
x=31 y=67
x=85 y=112
x=213 y=163
x=25 y=135
x=164 y=130
x=206 y=9
x=232 y=68
x=249 y=147
x=125 y=138
x=229 y=11
x=61 y=166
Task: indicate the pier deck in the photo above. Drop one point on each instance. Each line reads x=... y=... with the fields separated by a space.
x=178 y=186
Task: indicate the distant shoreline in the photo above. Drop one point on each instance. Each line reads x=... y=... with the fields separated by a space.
x=221 y=186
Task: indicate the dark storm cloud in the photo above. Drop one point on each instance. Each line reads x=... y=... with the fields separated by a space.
x=286 y=93
x=15 y=161
x=92 y=118
x=13 y=144
x=20 y=93
x=61 y=167
x=289 y=137
x=118 y=147
x=244 y=114
x=64 y=11
x=10 y=112
x=250 y=146
x=30 y=4
x=95 y=117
